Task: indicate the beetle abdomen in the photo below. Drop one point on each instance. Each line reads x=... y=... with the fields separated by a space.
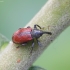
x=22 y=35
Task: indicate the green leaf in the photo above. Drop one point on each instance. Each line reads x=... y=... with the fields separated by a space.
x=3 y=42
x=36 y=68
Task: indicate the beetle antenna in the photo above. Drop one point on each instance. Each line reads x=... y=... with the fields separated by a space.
x=47 y=33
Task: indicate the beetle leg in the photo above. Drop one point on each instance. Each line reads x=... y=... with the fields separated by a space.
x=32 y=47
x=39 y=43
x=23 y=44
x=35 y=26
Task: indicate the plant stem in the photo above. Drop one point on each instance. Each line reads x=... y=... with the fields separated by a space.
x=53 y=17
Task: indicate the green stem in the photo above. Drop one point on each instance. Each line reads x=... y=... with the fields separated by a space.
x=53 y=17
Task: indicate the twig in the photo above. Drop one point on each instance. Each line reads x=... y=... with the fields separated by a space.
x=56 y=15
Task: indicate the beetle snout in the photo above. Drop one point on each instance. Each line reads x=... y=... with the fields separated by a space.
x=47 y=33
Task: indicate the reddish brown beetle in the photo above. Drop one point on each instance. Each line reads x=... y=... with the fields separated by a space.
x=24 y=35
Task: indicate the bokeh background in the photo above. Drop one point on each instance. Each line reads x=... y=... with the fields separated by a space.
x=17 y=13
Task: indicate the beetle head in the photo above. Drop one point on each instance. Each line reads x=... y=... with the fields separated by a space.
x=38 y=33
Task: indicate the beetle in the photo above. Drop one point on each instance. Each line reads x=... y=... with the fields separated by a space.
x=24 y=35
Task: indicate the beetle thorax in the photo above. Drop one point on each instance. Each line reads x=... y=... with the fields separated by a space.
x=36 y=33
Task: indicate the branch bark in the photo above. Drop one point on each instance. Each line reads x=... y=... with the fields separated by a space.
x=53 y=17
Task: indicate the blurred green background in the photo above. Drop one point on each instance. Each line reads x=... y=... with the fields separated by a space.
x=17 y=13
